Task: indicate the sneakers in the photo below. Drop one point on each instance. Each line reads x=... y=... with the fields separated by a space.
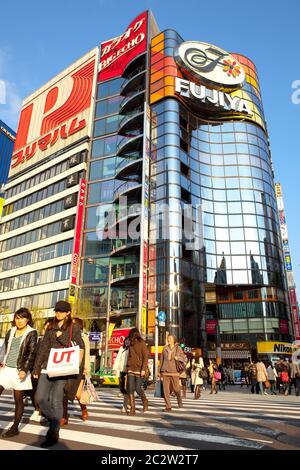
x=36 y=417
x=11 y=432
x=265 y=393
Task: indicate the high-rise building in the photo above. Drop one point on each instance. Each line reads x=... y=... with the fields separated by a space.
x=7 y=138
x=180 y=211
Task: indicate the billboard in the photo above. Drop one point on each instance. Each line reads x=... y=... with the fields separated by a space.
x=55 y=116
x=78 y=228
x=118 y=52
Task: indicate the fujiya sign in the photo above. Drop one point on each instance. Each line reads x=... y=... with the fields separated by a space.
x=211 y=96
x=210 y=63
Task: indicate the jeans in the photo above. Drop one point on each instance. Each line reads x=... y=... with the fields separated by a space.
x=261 y=387
x=49 y=396
x=134 y=383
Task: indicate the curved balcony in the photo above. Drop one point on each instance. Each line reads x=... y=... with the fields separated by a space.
x=134 y=80
x=133 y=100
x=125 y=245
x=128 y=188
x=128 y=166
x=123 y=276
x=138 y=61
x=132 y=120
x=131 y=212
x=129 y=144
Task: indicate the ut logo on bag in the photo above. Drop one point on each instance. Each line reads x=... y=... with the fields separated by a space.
x=59 y=356
x=55 y=113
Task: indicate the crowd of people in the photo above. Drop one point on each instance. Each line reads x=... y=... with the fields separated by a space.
x=24 y=359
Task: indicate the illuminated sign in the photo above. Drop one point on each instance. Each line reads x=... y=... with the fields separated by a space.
x=56 y=115
x=210 y=63
x=211 y=96
x=118 y=52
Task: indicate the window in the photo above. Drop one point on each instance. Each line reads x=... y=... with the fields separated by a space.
x=109 y=106
x=107 y=125
x=109 y=88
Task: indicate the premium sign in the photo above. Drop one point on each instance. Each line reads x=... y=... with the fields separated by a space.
x=210 y=63
x=118 y=52
x=56 y=115
x=210 y=96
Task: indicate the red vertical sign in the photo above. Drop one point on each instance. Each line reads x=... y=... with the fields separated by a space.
x=78 y=228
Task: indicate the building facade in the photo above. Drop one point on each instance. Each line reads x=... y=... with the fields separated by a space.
x=180 y=211
x=7 y=139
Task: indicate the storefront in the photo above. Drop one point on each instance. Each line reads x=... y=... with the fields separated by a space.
x=274 y=351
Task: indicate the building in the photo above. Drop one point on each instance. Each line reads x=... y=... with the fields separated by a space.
x=7 y=138
x=288 y=263
x=180 y=211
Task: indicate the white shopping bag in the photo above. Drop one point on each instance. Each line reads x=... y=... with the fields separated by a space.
x=63 y=361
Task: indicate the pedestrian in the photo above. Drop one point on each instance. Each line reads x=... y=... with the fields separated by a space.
x=50 y=391
x=197 y=367
x=213 y=368
x=230 y=375
x=272 y=376
x=262 y=377
x=18 y=353
x=37 y=415
x=294 y=377
x=253 y=377
x=137 y=364
x=170 y=375
x=120 y=367
x=74 y=384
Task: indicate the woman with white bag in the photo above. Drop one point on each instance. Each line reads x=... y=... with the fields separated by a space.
x=61 y=333
x=18 y=356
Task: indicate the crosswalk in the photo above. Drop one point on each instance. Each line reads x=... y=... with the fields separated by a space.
x=228 y=420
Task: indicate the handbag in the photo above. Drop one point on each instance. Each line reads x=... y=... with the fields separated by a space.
x=180 y=366
x=284 y=377
x=159 y=390
x=64 y=361
x=217 y=375
x=267 y=384
x=203 y=374
x=88 y=394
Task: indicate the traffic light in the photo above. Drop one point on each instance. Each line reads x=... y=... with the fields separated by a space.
x=182 y=343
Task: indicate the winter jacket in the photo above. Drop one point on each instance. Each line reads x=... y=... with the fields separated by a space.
x=196 y=367
x=27 y=349
x=137 y=357
x=272 y=373
x=167 y=360
x=262 y=375
x=51 y=341
x=120 y=363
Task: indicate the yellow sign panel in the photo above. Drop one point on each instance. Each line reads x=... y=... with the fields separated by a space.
x=144 y=320
x=273 y=347
x=111 y=327
x=1 y=205
x=160 y=348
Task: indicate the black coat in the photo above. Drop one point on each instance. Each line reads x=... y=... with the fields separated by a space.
x=51 y=341
x=27 y=351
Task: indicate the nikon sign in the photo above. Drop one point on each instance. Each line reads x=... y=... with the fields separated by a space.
x=270 y=347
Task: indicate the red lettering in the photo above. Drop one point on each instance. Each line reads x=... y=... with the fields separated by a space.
x=19 y=157
x=57 y=359
x=30 y=151
x=55 y=137
x=63 y=132
x=44 y=141
x=73 y=129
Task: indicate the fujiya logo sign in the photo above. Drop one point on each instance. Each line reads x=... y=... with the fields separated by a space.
x=210 y=63
x=210 y=96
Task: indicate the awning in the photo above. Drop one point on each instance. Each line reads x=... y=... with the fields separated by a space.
x=243 y=354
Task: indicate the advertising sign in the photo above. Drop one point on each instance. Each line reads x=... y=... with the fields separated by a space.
x=211 y=326
x=296 y=322
x=118 y=52
x=283 y=326
x=288 y=262
x=272 y=347
x=117 y=338
x=56 y=115
x=78 y=228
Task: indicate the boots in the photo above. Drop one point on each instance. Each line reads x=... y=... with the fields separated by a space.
x=84 y=413
x=179 y=399
x=131 y=404
x=144 y=400
x=197 y=392
x=125 y=407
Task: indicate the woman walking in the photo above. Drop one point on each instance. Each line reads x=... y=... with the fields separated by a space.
x=137 y=364
x=19 y=353
x=74 y=385
x=197 y=367
x=170 y=375
x=50 y=391
x=120 y=367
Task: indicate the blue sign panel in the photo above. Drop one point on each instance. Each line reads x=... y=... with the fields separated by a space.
x=161 y=316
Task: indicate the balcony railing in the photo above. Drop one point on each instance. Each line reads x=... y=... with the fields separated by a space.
x=133 y=79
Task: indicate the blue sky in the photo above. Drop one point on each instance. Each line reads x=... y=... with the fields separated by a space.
x=39 y=39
